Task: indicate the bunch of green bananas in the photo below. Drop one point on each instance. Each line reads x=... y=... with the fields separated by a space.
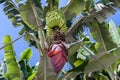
x=55 y=18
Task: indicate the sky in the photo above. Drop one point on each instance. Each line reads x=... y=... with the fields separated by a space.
x=6 y=28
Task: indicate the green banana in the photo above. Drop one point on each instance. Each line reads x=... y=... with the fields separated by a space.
x=54 y=18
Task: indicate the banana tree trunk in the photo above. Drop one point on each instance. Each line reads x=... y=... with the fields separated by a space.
x=45 y=69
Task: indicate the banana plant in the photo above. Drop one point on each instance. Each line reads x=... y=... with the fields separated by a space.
x=113 y=52
x=36 y=17
x=28 y=72
x=18 y=70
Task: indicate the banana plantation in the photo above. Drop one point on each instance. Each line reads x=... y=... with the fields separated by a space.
x=75 y=42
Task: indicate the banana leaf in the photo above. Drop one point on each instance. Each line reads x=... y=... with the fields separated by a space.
x=9 y=55
x=70 y=11
x=107 y=59
x=114 y=33
x=32 y=76
x=10 y=10
x=27 y=14
x=102 y=36
x=26 y=54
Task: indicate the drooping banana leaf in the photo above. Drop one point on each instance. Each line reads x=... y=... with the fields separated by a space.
x=28 y=15
x=107 y=59
x=74 y=8
x=12 y=12
x=45 y=69
x=12 y=65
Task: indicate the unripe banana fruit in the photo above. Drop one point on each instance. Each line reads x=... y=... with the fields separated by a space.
x=55 y=18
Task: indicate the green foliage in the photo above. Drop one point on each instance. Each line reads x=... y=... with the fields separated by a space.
x=27 y=54
x=114 y=56
x=114 y=33
x=12 y=12
x=32 y=76
x=106 y=37
x=70 y=11
x=12 y=66
x=23 y=61
x=13 y=70
x=27 y=15
x=102 y=36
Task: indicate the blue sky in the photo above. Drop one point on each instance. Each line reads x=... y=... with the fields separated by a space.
x=6 y=28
